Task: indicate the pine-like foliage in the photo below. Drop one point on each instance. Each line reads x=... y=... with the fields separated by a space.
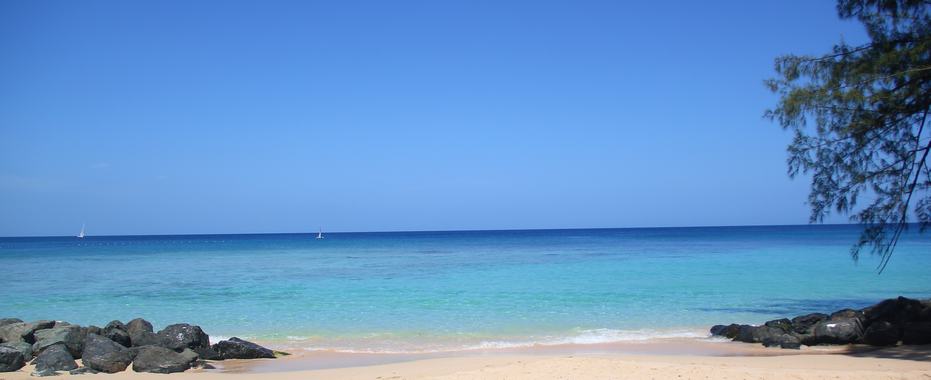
x=858 y=117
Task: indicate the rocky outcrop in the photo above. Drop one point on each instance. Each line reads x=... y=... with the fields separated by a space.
x=882 y=333
x=916 y=332
x=10 y=359
x=54 y=358
x=236 y=348
x=113 y=348
x=9 y=321
x=17 y=332
x=23 y=347
x=104 y=355
x=885 y=324
x=837 y=331
x=141 y=333
x=71 y=336
x=182 y=335
x=162 y=360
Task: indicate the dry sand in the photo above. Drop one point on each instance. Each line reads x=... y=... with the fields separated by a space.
x=841 y=363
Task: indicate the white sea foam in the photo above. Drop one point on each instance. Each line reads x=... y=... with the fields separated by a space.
x=582 y=337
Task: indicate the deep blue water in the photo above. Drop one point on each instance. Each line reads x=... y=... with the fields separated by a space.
x=443 y=290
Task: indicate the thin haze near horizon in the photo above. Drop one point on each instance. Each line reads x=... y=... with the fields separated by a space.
x=171 y=117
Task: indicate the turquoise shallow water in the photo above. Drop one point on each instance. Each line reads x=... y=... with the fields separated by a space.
x=425 y=291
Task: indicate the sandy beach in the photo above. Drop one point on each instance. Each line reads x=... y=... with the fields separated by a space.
x=716 y=361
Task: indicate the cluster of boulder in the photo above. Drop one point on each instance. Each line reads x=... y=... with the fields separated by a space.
x=55 y=345
x=888 y=323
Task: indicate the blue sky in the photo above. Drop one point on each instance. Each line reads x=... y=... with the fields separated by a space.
x=155 y=117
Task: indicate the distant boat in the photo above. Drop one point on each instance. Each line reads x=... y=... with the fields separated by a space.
x=320 y=233
x=81 y=234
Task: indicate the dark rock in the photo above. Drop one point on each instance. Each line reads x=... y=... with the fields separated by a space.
x=105 y=355
x=11 y=359
x=21 y=346
x=144 y=338
x=882 y=333
x=161 y=360
x=43 y=373
x=82 y=371
x=180 y=336
x=42 y=325
x=897 y=311
x=16 y=332
x=236 y=348
x=718 y=330
x=93 y=330
x=925 y=314
x=783 y=324
x=55 y=358
x=783 y=341
x=757 y=334
x=207 y=353
x=115 y=325
x=845 y=314
x=9 y=321
x=803 y=324
x=730 y=331
x=846 y=331
x=141 y=333
x=71 y=336
x=139 y=324
x=189 y=355
x=116 y=331
x=61 y=324
x=916 y=333
x=119 y=336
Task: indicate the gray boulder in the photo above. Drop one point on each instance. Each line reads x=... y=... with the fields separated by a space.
x=180 y=336
x=783 y=324
x=104 y=355
x=114 y=324
x=119 y=336
x=804 y=323
x=161 y=360
x=10 y=359
x=916 y=333
x=897 y=311
x=236 y=348
x=71 y=336
x=882 y=333
x=783 y=341
x=116 y=331
x=9 y=321
x=42 y=324
x=189 y=355
x=757 y=334
x=137 y=325
x=55 y=358
x=729 y=331
x=845 y=314
x=21 y=346
x=845 y=331
x=141 y=333
x=18 y=332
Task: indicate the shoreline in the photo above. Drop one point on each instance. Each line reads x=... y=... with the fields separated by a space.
x=679 y=359
x=309 y=360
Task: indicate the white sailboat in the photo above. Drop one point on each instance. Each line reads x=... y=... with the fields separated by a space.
x=81 y=234
x=319 y=233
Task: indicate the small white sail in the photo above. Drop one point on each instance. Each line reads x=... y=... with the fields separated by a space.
x=81 y=235
x=320 y=233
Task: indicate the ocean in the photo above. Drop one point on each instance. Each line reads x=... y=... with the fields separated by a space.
x=444 y=291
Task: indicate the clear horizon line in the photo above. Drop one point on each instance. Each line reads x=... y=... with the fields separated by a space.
x=438 y=231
